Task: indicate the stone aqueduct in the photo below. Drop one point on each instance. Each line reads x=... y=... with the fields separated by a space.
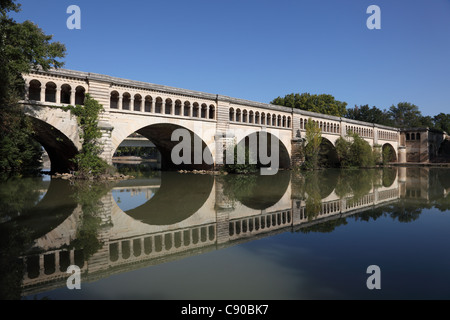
x=155 y=111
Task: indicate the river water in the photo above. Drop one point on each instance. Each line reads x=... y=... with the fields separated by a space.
x=166 y=235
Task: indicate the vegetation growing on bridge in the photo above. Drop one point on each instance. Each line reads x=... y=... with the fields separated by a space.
x=88 y=161
x=23 y=47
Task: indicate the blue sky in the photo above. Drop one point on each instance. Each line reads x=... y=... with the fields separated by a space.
x=259 y=50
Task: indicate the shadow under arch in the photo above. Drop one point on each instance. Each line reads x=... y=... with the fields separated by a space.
x=178 y=198
x=59 y=147
x=161 y=136
x=56 y=206
x=328 y=156
x=389 y=152
x=284 y=159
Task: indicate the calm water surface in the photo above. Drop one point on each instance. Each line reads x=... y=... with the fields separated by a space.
x=184 y=236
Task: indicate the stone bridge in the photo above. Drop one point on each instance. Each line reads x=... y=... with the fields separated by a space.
x=156 y=111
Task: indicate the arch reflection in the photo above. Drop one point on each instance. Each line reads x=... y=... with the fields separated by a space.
x=178 y=198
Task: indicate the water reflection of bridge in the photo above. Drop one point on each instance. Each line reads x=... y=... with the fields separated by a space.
x=219 y=222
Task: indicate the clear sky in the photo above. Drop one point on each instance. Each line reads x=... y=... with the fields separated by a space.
x=260 y=49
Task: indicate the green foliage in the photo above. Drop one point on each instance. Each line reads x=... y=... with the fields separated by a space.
x=357 y=153
x=312 y=148
x=88 y=162
x=343 y=151
x=313 y=199
x=235 y=167
x=14 y=239
x=141 y=170
x=323 y=103
x=354 y=184
x=405 y=115
x=361 y=154
x=23 y=47
x=442 y=122
x=387 y=155
x=19 y=152
x=143 y=152
x=18 y=194
x=389 y=175
x=370 y=115
x=238 y=186
x=402 y=115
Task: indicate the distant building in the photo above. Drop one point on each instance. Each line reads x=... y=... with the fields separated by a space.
x=424 y=145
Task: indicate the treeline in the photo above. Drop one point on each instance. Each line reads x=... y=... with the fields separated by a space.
x=402 y=115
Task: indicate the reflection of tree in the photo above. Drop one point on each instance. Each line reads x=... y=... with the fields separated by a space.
x=355 y=183
x=18 y=194
x=88 y=194
x=297 y=185
x=326 y=179
x=325 y=227
x=142 y=170
x=444 y=178
x=313 y=198
x=406 y=211
x=372 y=214
x=237 y=186
x=443 y=203
x=14 y=240
x=254 y=191
x=389 y=175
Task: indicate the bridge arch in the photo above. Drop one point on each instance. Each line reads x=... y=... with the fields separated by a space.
x=160 y=133
x=61 y=149
x=284 y=157
x=389 y=151
x=328 y=154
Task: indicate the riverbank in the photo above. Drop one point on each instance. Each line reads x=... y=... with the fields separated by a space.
x=421 y=164
x=105 y=177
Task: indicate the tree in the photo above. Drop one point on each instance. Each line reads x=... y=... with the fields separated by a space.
x=371 y=115
x=355 y=153
x=442 y=122
x=343 y=151
x=323 y=103
x=426 y=121
x=23 y=47
x=361 y=153
x=406 y=115
x=313 y=142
